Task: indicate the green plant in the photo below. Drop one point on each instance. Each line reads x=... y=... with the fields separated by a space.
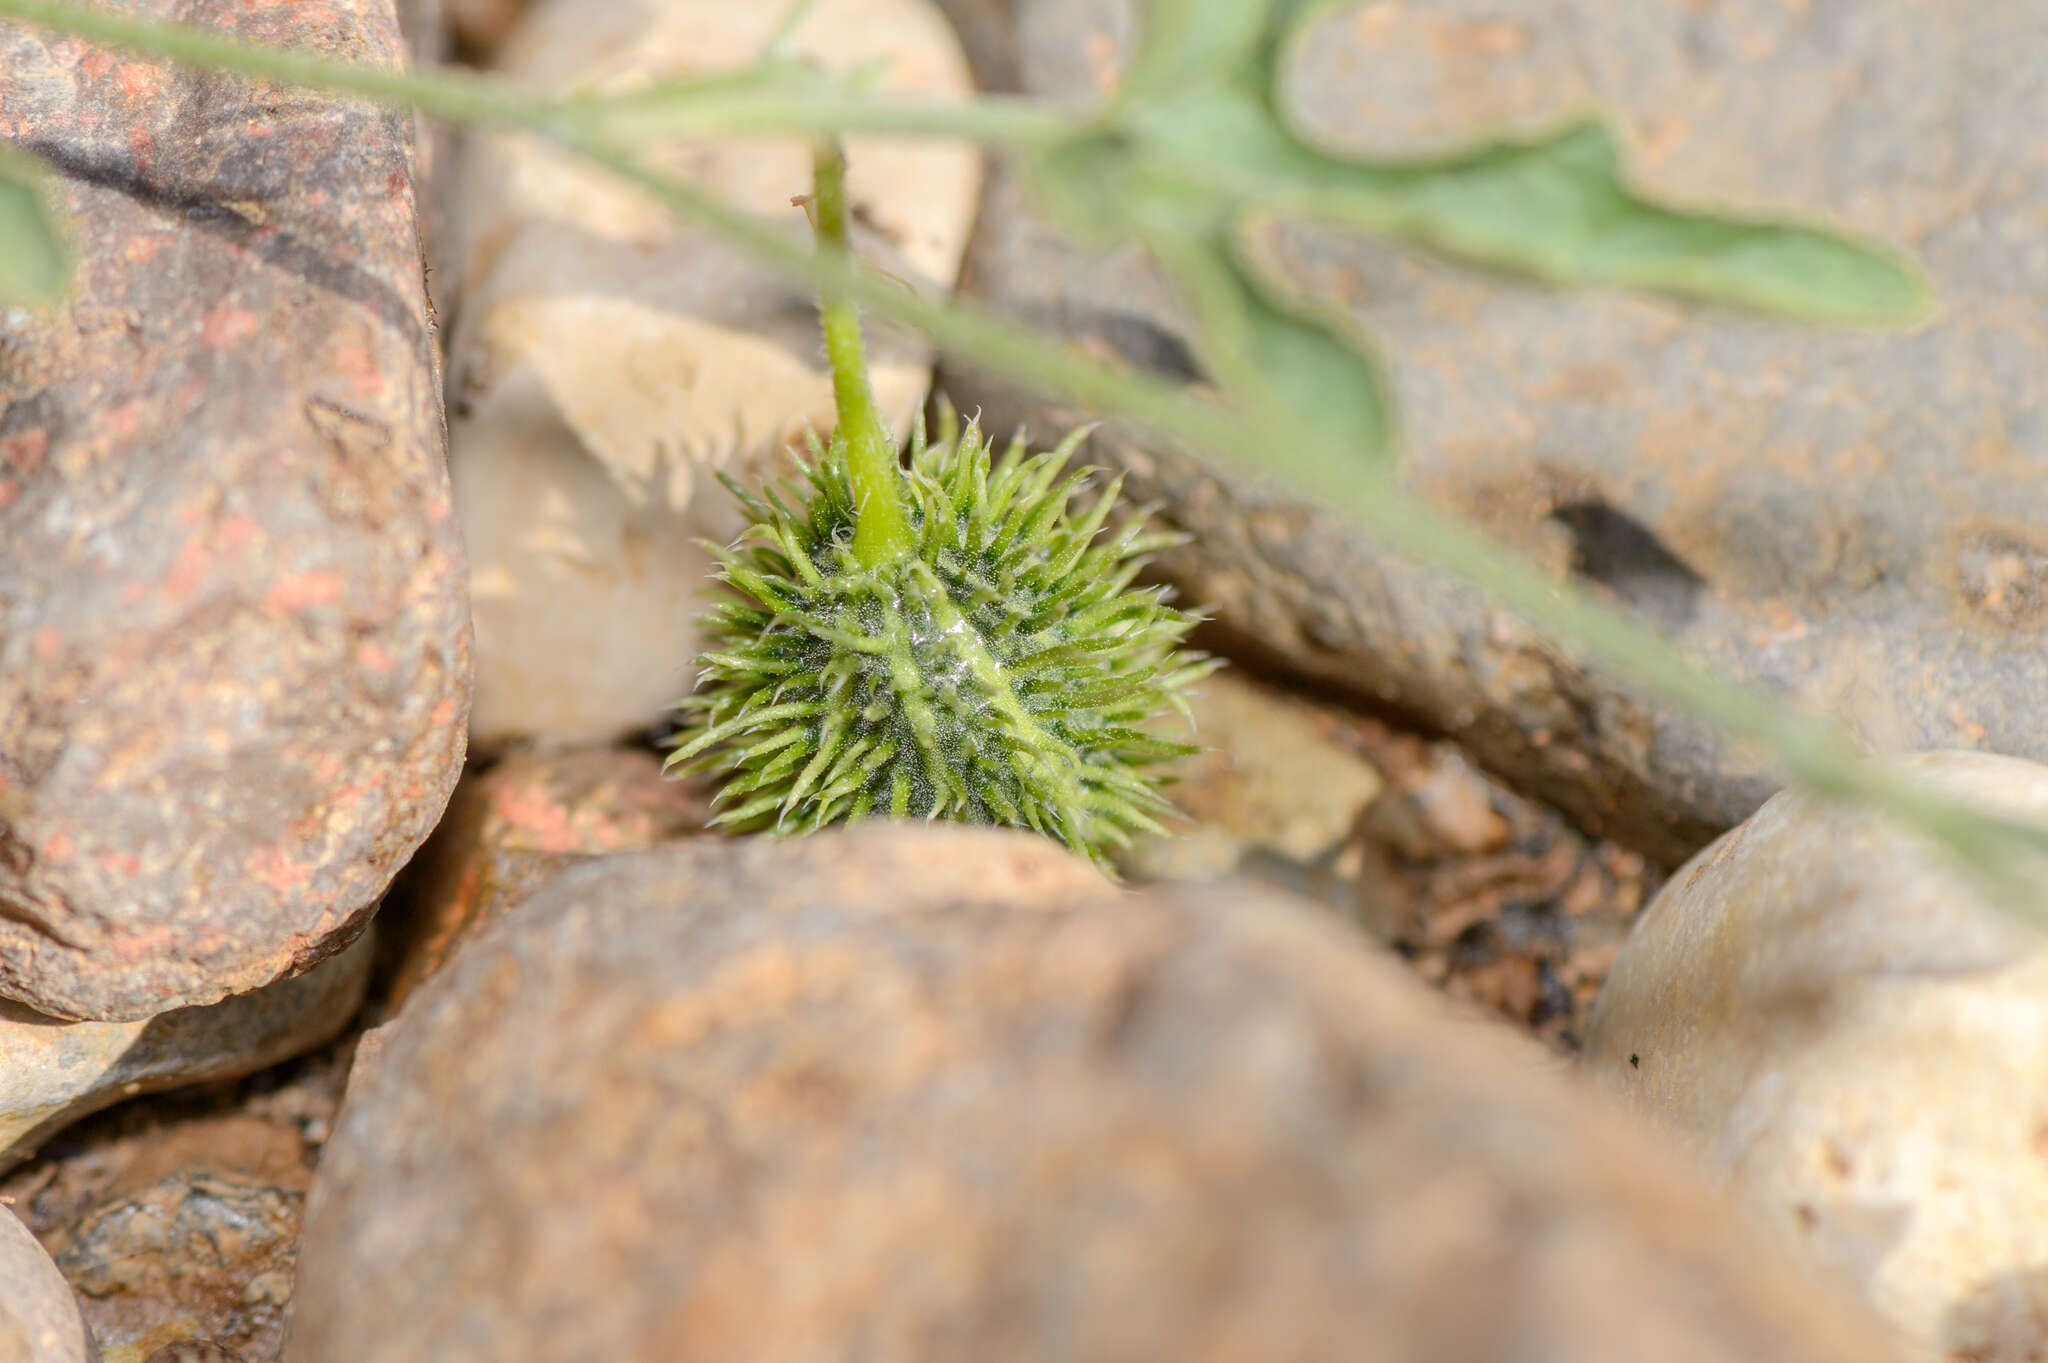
x=1192 y=156
x=952 y=641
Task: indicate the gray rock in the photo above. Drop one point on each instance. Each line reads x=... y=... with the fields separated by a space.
x=39 y=1321
x=234 y=645
x=1855 y=519
x=54 y=1072
x=927 y=1092
x=1854 y=1039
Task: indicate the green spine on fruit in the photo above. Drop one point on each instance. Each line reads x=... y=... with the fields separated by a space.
x=1005 y=670
x=954 y=640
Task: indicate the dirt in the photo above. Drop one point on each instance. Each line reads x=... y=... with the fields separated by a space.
x=1501 y=902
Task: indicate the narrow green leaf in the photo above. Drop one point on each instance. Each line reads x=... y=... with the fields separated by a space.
x=35 y=260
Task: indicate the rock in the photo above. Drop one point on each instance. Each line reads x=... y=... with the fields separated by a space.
x=988 y=35
x=937 y=1093
x=606 y=358
x=481 y=25
x=194 y=1351
x=234 y=658
x=424 y=25
x=1448 y=813
x=1275 y=795
x=52 y=1073
x=1849 y=1034
x=38 y=1319
x=1854 y=518
x=512 y=827
x=134 y=1201
x=194 y=1239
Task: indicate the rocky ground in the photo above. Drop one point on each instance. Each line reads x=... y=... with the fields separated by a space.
x=176 y=1215
x=1451 y=1021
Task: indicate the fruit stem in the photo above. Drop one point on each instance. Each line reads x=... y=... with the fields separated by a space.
x=880 y=532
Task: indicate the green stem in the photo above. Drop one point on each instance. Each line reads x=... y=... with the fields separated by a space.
x=1816 y=754
x=454 y=95
x=880 y=534
x=698 y=108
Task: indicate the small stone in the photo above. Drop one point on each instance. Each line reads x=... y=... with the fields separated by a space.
x=481 y=25
x=1273 y=793
x=52 y=1072
x=234 y=645
x=39 y=1321
x=271 y=1289
x=193 y=1236
x=1448 y=813
x=249 y=1137
x=1457 y=812
x=939 y=1093
x=1843 y=1027
x=194 y=1351
x=606 y=359
x=513 y=826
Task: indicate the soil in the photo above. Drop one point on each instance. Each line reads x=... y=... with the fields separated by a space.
x=1502 y=902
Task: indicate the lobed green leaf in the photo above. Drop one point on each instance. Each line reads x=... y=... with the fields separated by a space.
x=35 y=256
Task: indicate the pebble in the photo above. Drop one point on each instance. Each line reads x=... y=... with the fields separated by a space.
x=929 y=1092
x=192 y=1244
x=1274 y=794
x=1852 y=1037
x=194 y=1351
x=605 y=359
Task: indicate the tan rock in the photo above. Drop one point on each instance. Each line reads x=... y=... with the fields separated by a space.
x=936 y=1093
x=1269 y=777
x=1846 y=1031
x=605 y=357
x=52 y=1073
x=39 y=1320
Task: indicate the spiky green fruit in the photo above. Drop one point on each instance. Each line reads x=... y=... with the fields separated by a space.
x=1006 y=670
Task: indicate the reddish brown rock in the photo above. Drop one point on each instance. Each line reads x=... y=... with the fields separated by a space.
x=1855 y=519
x=908 y=1093
x=512 y=827
x=234 y=657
